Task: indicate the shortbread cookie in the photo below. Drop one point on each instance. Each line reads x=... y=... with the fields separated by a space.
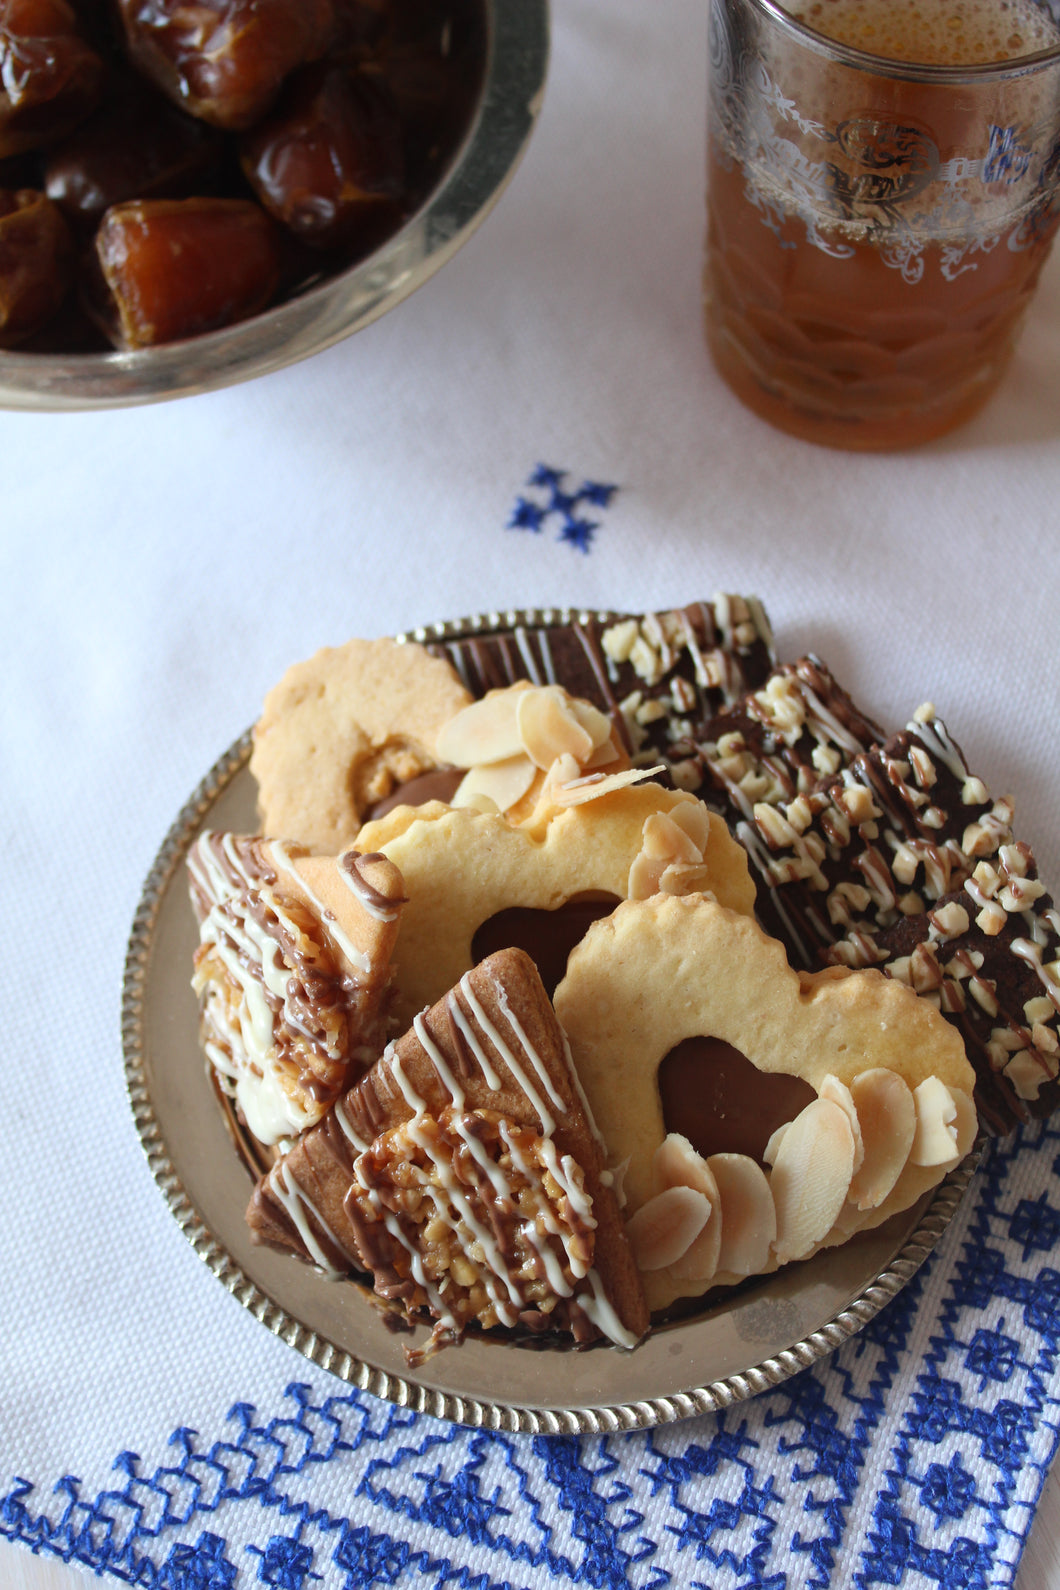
x=463 y=1174
x=660 y=677
x=988 y=956
x=340 y=730
x=685 y=1019
x=465 y=871
x=292 y=965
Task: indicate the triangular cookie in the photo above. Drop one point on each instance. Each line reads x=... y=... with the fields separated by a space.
x=293 y=960
x=464 y=1173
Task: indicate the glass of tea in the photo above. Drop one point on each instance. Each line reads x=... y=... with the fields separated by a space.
x=883 y=190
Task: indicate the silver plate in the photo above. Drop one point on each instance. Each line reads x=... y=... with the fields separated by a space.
x=741 y=1344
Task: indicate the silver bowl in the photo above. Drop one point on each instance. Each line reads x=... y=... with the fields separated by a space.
x=516 y=47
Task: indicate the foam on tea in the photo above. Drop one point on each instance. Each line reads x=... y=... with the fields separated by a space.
x=933 y=32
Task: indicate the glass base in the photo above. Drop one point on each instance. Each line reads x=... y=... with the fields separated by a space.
x=860 y=433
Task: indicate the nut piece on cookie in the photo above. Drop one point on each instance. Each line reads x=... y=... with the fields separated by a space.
x=341 y=730
x=686 y=1022
x=292 y=965
x=988 y=957
x=519 y=743
x=476 y=883
x=660 y=677
x=464 y=1175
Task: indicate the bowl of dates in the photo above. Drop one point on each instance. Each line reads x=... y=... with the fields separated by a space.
x=191 y=195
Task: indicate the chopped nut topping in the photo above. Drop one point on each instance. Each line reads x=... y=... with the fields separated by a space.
x=646 y=662
x=782 y=707
x=991 y=919
x=650 y=712
x=951 y=920
x=858 y=804
x=619 y=640
x=1028 y=1071
x=461 y=1217
x=1045 y=1039
x=988 y=879
x=923 y=767
x=1021 y=893
x=984 y=993
x=825 y=759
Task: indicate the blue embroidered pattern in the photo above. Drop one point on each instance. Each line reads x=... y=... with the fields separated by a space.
x=914 y=1456
x=553 y=504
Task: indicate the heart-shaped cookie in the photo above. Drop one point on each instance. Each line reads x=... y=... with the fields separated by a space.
x=843 y=1094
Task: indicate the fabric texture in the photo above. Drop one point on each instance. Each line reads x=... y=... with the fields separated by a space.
x=538 y=425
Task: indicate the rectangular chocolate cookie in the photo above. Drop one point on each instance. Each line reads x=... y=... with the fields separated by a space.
x=464 y=1175
x=903 y=824
x=988 y=955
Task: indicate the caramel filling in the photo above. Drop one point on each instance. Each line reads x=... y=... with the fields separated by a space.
x=714 y=1096
x=547 y=936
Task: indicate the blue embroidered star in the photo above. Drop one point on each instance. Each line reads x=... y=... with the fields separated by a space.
x=561 y=505
x=526 y=515
x=579 y=533
x=595 y=492
x=544 y=475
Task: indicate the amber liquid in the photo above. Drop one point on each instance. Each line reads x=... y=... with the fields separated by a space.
x=847 y=351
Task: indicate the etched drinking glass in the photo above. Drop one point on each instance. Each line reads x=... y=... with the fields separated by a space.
x=880 y=205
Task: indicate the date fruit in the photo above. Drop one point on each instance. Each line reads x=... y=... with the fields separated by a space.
x=224 y=60
x=49 y=77
x=328 y=163
x=36 y=263
x=177 y=267
x=135 y=146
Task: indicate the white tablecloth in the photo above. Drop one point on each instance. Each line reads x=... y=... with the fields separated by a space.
x=162 y=566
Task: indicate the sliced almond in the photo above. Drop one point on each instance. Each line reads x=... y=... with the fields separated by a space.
x=966 y=1125
x=772 y=1148
x=662 y=837
x=935 y=1140
x=699 y=1262
x=663 y=1229
x=810 y=1177
x=503 y=783
x=486 y=731
x=677 y=1164
x=887 y=1116
x=670 y=860
x=748 y=1214
x=605 y=756
x=596 y=724
x=578 y=791
x=549 y=729
x=684 y=877
x=694 y=818
x=838 y=1092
